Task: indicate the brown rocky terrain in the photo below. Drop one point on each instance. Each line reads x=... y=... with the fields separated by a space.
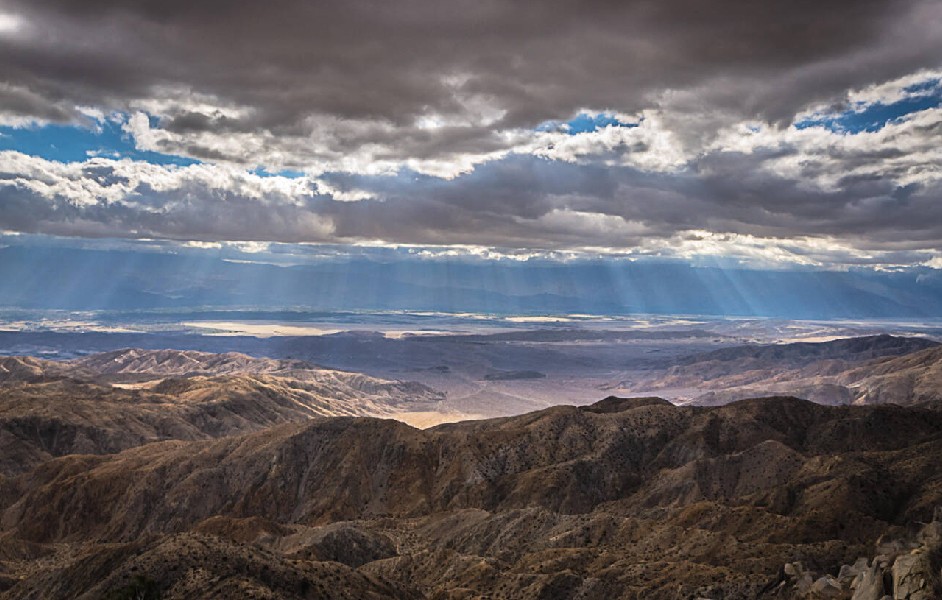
x=184 y=362
x=911 y=379
x=50 y=408
x=762 y=498
x=867 y=370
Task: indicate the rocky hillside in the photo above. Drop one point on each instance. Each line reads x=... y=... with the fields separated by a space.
x=868 y=370
x=621 y=499
x=184 y=362
x=911 y=379
x=26 y=369
x=50 y=409
x=855 y=349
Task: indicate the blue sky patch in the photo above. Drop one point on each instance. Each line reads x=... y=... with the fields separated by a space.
x=74 y=143
x=584 y=123
x=874 y=117
x=289 y=173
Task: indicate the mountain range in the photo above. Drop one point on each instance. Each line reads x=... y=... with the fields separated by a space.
x=129 y=279
x=231 y=481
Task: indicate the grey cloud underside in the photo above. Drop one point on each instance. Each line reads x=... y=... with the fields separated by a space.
x=522 y=202
x=394 y=62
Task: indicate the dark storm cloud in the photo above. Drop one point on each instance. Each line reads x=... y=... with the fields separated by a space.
x=502 y=204
x=19 y=102
x=396 y=61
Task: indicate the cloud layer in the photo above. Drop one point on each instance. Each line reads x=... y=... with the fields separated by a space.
x=732 y=128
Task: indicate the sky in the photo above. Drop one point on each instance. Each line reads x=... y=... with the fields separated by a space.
x=764 y=135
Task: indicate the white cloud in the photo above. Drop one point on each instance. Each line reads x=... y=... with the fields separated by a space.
x=11 y=24
x=906 y=151
x=933 y=263
x=649 y=146
x=893 y=91
x=587 y=225
x=203 y=245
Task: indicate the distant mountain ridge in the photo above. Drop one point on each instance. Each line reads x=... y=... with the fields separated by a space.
x=850 y=349
x=527 y=287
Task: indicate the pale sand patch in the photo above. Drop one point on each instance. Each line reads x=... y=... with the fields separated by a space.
x=65 y=325
x=139 y=385
x=813 y=338
x=426 y=419
x=537 y=319
x=397 y=334
x=260 y=329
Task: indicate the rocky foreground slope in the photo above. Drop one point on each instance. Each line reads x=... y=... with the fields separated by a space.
x=763 y=498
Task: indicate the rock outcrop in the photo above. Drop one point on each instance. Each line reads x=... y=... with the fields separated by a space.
x=902 y=569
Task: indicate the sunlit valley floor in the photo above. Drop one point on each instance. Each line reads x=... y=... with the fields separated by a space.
x=427 y=455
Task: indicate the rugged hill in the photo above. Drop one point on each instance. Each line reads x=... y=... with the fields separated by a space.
x=854 y=349
x=52 y=408
x=875 y=369
x=910 y=379
x=622 y=499
x=184 y=362
x=26 y=369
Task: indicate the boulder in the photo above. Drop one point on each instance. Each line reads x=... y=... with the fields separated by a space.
x=912 y=577
x=849 y=573
x=793 y=570
x=868 y=585
x=930 y=536
x=804 y=584
x=826 y=587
